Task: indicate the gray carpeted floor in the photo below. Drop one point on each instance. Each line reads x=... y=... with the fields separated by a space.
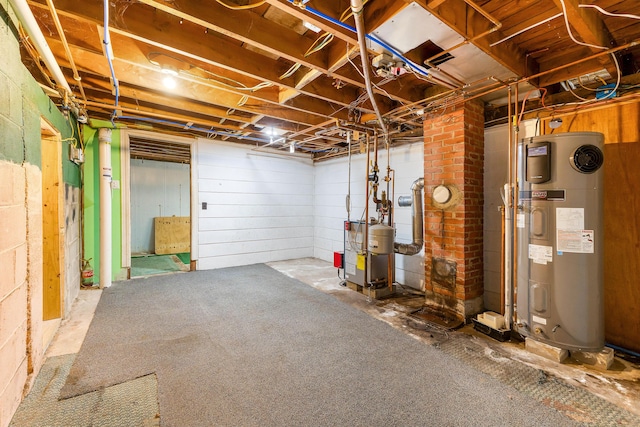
x=249 y=346
x=132 y=403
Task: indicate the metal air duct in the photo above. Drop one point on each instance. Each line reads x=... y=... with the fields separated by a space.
x=416 y=218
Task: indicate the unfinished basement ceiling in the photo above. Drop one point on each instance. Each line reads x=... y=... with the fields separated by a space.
x=252 y=72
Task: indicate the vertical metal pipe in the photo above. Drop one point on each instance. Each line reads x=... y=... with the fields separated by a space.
x=502 y=263
x=356 y=8
x=514 y=233
x=507 y=217
x=366 y=216
x=348 y=201
x=104 y=140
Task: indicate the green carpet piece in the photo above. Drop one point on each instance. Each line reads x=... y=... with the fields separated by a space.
x=185 y=257
x=153 y=264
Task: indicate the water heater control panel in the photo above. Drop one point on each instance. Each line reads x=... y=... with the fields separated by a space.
x=539 y=162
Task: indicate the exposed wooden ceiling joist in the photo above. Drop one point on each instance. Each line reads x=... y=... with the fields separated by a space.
x=233 y=65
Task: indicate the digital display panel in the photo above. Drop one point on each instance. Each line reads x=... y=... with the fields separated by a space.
x=537 y=151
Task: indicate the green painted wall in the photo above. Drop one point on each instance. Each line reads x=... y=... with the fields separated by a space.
x=23 y=104
x=92 y=200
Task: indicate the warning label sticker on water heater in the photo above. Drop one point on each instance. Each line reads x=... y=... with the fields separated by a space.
x=570 y=233
x=576 y=241
x=540 y=254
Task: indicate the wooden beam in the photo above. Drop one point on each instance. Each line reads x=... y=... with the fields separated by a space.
x=590 y=29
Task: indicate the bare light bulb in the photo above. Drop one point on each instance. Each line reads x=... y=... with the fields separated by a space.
x=169 y=82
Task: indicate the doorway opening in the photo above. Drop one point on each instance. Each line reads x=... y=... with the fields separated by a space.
x=160 y=201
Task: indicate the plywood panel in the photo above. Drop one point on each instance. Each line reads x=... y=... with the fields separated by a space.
x=173 y=234
x=620 y=125
x=622 y=240
x=52 y=233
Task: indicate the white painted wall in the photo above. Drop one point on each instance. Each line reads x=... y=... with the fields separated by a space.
x=157 y=189
x=259 y=205
x=331 y=187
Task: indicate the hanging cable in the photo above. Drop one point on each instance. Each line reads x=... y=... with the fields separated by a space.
x=601 y=10
x=241 y=7
x=319 y=43
x=566 y=22
x=291 y=71
x=108 y=51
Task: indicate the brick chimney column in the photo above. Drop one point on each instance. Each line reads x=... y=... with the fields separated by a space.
x=454 y=157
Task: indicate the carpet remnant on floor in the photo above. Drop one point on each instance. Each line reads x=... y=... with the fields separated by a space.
x=250 y=346
x=185 y=257
x=156 y=264
x=132 y=403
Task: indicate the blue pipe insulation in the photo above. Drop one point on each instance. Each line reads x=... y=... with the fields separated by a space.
x=370 y=37
x=622 y=350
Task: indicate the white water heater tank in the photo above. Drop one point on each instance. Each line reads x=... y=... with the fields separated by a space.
x=560 y=240
x=381 y=239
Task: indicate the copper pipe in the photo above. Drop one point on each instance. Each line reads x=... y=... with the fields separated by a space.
x=589 y=58
x=389 y=271
x=521 y=80
x=502 y=254
x=507 y=209
x=366 y=216
x=514 y=215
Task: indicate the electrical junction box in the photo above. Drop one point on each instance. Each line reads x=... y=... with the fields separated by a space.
x=76 y=155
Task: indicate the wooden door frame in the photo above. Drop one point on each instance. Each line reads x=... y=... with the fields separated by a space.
x=53 y=254
x=125 y=190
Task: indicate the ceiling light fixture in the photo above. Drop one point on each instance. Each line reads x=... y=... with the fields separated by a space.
x=292 y=148
x=169 y=81
x=272 y=131
x=555 y=123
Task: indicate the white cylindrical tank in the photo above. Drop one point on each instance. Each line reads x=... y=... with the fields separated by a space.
x=381 y=239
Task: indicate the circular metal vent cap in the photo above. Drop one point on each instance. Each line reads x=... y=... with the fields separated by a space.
x=587 y=159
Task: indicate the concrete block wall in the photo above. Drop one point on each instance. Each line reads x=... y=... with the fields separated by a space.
x=14 y=319
x=330 y=212
x=35 y=346
x=259 y=206
x=22 y=107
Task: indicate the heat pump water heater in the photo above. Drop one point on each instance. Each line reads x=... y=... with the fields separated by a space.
x=559 y=225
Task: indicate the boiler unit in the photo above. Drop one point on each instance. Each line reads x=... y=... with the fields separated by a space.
x=559 y=235
x=357 y=259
